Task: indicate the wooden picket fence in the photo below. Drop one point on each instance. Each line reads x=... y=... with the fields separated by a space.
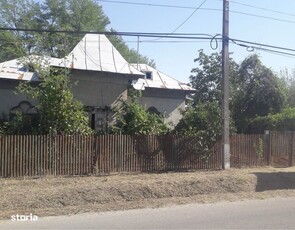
x=28 y=155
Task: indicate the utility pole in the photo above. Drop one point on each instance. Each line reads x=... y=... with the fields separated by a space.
x=225 y=87
x=137 y=52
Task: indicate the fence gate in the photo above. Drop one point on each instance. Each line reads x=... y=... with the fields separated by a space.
x=282 y=150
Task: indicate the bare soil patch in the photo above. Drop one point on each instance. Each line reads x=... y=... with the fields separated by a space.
x=70 y=195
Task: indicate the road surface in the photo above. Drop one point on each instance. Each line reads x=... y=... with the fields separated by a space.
x=277 y=213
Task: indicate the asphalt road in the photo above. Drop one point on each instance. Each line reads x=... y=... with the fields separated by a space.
x=276 y=213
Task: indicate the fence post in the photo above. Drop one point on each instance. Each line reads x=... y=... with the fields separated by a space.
x=267 y=146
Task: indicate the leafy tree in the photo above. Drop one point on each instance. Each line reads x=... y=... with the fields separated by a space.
x=59 y=112
x=254 y=91
x=289 y=78
x=206 y=77
x=72 y=15
x=132 y=118
x=17 y=14
x=203 y=116
x=291 y=94
x=259 y=93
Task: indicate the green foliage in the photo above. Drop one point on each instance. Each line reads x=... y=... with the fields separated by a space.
x=206 y=78
x=132 y=118
x=59 y=112
x=72 y=15
x=259 y=93
x=254 y=89
x=16 y=14
x=203 y=122
x=21 y=124
x=202 y=118
x=284 y=121
x=259 y=148
x=291 y=94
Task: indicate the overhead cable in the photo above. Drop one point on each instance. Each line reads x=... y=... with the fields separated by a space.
x=262 y=8
x=250 y=46
x=211 y=9
x=190 y=16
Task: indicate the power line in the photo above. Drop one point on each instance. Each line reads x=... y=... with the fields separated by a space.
x=262 y=8
x=192 y=36
x=196 y=9
x=190 y=16
x=261 y=44
x=134 y=34
x=259 y=16
x=211 y=9
x=156 y=5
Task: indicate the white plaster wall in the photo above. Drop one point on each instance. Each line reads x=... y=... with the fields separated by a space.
x=98 y=89
x=9 y=99
x=169 y=107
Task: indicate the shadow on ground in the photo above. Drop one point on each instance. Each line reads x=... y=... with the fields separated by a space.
x=275 y=181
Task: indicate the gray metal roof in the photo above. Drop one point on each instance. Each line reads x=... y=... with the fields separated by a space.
x=96 y=53
x=158 y=80
x=16 y=69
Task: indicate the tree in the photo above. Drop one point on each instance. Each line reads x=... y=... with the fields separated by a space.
x=289 y=79
x=202 y=118
x=206 y=77
x=72 y=15
x=259 y=93
x=59 y=112
x=132 y=118
x=204 y=114
x=17 y=14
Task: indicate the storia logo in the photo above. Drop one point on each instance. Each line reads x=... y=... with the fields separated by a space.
x=30 y=217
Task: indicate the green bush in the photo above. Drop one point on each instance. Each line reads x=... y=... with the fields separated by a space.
x=280 y=122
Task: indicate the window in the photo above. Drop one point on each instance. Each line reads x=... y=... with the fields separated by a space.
x=148 y=75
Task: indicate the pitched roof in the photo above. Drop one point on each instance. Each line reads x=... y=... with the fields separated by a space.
x=95 y=52
x=158 y=80
x=15 y=69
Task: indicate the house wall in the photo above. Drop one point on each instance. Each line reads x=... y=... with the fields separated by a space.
x=168 y=102
x=8 y=97
x=100 y=89
x=100 y=92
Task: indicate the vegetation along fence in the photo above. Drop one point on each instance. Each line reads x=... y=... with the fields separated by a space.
x=82 y=155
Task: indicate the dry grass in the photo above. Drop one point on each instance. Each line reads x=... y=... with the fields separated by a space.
x=69 y=195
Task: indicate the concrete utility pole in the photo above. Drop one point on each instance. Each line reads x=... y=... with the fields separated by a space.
x=225 y=87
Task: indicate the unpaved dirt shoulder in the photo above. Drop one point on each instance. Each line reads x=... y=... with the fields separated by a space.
x=61 y=195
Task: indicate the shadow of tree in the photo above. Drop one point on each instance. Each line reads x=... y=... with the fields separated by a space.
x=275 y=181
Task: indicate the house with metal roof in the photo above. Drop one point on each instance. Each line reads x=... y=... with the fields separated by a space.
x=103 y=77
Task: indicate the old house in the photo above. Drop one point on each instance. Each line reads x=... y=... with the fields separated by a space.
x=103 y=77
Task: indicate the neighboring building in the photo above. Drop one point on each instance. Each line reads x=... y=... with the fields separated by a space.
x=103 y=77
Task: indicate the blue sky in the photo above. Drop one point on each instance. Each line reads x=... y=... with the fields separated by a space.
x=177 y=59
